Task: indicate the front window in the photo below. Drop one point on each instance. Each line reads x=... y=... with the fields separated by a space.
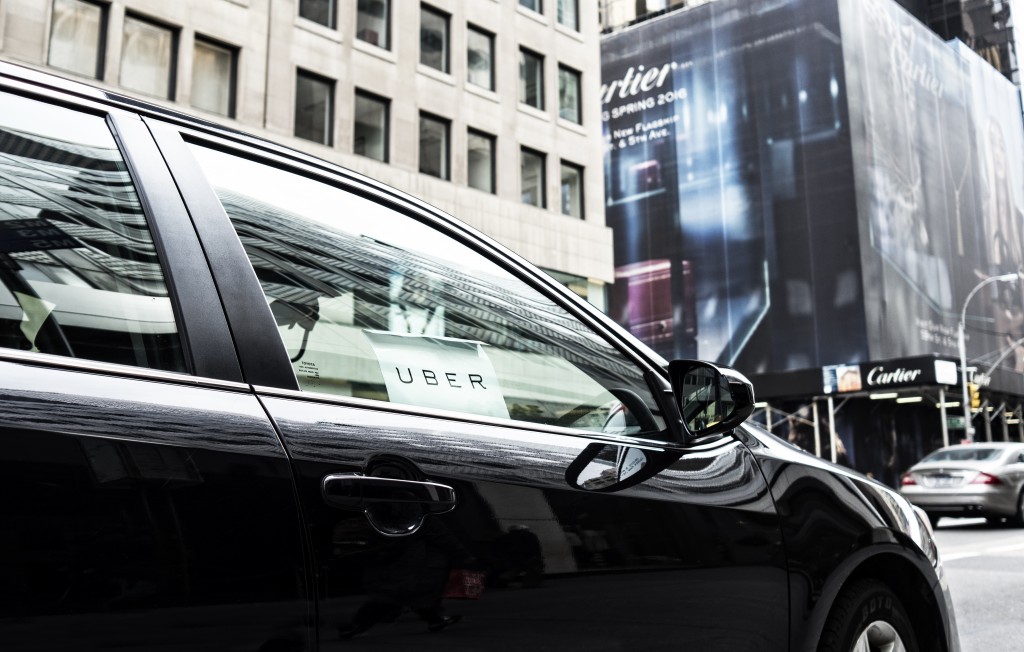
x=373 y=304
x=371 y=126
x=531 y=79
x=213 y=78
x=314 y=107
x=569 y=95
x=373 y=19
x=434 y=146
x=434 y=38
x=572 y=190
x=480 y=58
x=79 y=272
x=318 y=11
x=147 y=58
x=532 y=178
x=77 y=37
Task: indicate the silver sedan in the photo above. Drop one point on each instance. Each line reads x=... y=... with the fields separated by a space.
x=981 y=479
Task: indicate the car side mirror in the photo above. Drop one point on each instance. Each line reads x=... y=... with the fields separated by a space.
x=711 y=399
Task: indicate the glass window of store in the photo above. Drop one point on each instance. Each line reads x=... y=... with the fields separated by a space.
x=480 y=160
x=480 y=57
x=213 y=77
x=531 y=78
x=314 y=107
x=147 y=58
x=531 y=177
x=434 y=38
x=572 y=190
x=373 y=22
x=569 y=95
x=77 y=37
x=318 y=11
x=371 y=126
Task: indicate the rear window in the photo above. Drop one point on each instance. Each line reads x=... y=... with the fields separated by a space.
x=971 y=454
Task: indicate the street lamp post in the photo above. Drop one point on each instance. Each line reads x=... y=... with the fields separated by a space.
x=968 y=424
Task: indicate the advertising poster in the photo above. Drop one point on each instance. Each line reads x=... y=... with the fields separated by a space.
x=940 y=172
x=729 y=185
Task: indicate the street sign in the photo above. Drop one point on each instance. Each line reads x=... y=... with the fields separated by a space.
x=954 y=422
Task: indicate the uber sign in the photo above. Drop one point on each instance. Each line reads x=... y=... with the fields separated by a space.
x=33 y=235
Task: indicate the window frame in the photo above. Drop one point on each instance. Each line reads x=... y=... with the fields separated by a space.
x=493 y=141
x=489 y=36
x=331 y=90
x=525 y=55
x=232 y=73
x=446 y=50
x=386 y=20
x=386 y=105
x=172 y=72
x=542 y=157
x=446 y=147
x=536 y=6
x=101 y=37
x=579 y=169
x=332 y=14
x=575 y=24
x=565 y=72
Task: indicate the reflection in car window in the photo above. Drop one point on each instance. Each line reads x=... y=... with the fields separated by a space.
x=79 y=274
x=373 y=304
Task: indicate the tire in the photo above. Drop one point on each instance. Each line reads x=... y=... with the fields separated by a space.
x=868 y=617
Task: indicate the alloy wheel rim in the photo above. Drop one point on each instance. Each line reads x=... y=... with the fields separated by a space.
x=879 y=636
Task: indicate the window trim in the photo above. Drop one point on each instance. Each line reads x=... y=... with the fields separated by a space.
x=386 y=102
x=332 y=18
x=102 y=37
x=172 y=73
x=543 y=176
x=332 y=108
x=387 y=25
x=470 y=131
x=446 y=162
x=575 y=25
x=446 y=57
x=578 y=76
x=563 y=163
x=470 y=27
x=527 y=52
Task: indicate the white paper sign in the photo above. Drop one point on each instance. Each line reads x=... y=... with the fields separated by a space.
x=438 y=372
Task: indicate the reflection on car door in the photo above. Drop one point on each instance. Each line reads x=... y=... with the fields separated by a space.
x=146 y=502
x=414 y=373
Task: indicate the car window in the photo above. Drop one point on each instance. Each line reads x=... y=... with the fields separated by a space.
x=79 y=274
x=374 y=304
x=968 y=454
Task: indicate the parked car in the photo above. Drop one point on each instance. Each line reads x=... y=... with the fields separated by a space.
x=969 y=480
x=253 y=401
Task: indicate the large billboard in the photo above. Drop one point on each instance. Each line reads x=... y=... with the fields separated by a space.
x=798 y=183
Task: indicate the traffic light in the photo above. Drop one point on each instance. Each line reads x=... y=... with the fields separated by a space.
x=972 y=389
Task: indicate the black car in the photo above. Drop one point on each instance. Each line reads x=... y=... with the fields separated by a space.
x=252 y=401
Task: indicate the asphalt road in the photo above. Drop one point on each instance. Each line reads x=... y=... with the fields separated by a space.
x=985 y=568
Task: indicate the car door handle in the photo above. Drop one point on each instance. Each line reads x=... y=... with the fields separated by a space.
x=359 y=492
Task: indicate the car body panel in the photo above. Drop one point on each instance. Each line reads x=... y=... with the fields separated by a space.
x=951 y=486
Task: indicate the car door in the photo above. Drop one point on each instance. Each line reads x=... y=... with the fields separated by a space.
x=454 y=423
x=146 y=501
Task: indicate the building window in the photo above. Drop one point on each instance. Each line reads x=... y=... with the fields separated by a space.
x=569 y=95
x=480 y=58
x=434 y=38
x=213 y=77
x=532 y=178
x=572 y=190
x=373 y=19
x=531 y=79
x=318 y=11
x=535 y=5
x=434 y=146
x=568 y=14
x=314 y=108
x=480 y=160
x=78 y=37
x=147 y=58
x=371 y=126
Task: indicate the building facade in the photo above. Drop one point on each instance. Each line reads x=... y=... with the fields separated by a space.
x=486 y=109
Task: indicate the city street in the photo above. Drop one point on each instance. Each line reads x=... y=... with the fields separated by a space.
x=985 y=567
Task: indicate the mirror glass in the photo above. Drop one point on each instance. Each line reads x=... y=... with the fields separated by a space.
x=705 y=400
x=612 y=465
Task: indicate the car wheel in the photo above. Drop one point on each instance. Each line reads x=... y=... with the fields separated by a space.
x=868 y=617
x=1018 y=518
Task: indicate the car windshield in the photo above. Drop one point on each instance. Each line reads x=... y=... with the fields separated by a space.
x=969 y=454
